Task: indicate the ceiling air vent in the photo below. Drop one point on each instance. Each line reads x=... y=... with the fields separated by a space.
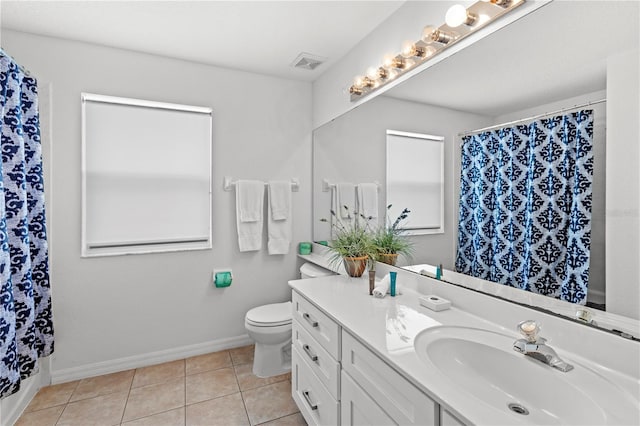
x=307 y=61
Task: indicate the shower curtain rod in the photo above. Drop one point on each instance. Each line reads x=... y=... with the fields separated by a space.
x=546 y=114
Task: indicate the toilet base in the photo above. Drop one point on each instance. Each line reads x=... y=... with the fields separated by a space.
x=272 y=360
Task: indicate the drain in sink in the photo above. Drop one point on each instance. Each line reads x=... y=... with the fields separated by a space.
x=517 y=408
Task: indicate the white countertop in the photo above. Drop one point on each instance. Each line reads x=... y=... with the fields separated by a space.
x=388 y=327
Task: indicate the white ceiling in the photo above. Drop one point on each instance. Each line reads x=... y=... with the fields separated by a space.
x=557 y=52
x=256 y=36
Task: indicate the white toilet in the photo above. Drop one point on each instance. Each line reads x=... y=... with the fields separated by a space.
x=270 y=327
x=311 y=270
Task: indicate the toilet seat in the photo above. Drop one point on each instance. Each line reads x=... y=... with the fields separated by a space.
x=273 y=315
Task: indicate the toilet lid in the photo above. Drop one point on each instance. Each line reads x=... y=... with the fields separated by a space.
x=314 y=271
x=270 y=315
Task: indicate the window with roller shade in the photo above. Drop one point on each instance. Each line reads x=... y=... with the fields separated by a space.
x=415 y=180
x=146 y=176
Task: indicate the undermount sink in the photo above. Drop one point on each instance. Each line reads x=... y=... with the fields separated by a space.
x=480 y=369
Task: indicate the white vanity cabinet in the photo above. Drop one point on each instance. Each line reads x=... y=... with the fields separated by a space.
x=337 y=380
x=315 y=363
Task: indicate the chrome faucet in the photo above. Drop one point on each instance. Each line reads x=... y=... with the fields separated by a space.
x=536 y=347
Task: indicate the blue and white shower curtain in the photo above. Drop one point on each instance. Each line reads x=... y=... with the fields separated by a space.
x=26 y=328
x=525 y=206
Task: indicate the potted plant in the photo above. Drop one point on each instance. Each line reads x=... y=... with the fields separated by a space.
x=391 y=241
x=352 y=244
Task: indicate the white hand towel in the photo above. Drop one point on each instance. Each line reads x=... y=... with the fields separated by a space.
x=279 y=230
x=249 y=207
x=368 y=203
x=382 y=289
x=250 y=200
x=279 y=199
x=346 y=197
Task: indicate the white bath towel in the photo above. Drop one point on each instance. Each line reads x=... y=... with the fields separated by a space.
x=382 y=289
x=346 y=200
x=279 y=199
x=249 y=207
x=279 y=230
x=368 y=202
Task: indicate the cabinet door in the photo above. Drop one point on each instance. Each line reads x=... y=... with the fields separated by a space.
x=314 y=401
x=404 y=402
x=357 y=407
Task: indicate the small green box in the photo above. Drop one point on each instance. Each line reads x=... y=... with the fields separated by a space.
x=304 y=248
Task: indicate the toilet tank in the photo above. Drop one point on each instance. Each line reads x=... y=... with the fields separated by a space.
x=311 y=270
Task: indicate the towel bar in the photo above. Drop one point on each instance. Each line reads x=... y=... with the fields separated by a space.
x=326 y=185
x=228 y=183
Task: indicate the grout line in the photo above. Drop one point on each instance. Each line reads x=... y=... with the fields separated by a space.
x=244 y=404
x=128 y=395
x=60 y=415
x=150 y=415
x=278 y=418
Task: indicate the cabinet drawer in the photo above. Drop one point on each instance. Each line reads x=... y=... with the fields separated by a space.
x=326 y=368
x=315 y=403
x=318 y=324
x=401 y=400
x=357 y=407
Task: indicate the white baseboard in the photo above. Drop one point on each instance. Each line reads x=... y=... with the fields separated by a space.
x=596 y=296
x=12 y=407
x=143 y=360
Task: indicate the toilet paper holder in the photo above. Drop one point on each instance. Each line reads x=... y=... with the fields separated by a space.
x=222 y=277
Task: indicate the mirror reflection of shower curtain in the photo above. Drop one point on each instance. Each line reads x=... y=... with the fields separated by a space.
x=525 y=206
x=26 y=327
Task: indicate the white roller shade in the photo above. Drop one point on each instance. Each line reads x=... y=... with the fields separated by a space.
x=146 y=176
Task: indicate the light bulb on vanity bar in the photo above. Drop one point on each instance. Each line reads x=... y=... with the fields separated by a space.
x=410 y=50
x=392 y=61
x=458 y=15
x=503 y=3
x=432 y=34
x=363 y=81
x=377 y=73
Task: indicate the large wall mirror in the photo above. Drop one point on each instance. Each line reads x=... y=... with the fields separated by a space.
x=557 y=57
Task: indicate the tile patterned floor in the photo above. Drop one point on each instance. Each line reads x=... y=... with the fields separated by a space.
x=213 y=389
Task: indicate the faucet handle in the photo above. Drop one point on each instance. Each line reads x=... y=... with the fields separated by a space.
x=529 y=330
x=584 y=315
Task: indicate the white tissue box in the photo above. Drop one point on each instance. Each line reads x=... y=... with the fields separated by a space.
x=435 y=303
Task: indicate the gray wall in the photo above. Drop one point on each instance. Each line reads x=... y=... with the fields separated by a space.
x=123 y=308
x=623 y=184
x=352 y=148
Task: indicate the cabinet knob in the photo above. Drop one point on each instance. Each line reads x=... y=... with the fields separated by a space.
x=310 y=354
x=308 y=398
x=310 y=320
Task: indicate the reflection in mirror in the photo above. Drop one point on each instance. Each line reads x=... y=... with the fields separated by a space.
x=415 y=180
x=475 y=89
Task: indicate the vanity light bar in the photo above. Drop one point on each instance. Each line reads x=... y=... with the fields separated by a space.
x=461 y=23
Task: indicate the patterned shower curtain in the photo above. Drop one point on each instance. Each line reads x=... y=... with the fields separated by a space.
x=26 y=329
x=525 y=206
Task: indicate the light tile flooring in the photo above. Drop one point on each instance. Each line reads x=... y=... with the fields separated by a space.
x=213 y=389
